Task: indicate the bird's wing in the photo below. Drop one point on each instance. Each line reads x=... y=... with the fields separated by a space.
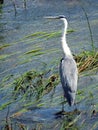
x=68 y=75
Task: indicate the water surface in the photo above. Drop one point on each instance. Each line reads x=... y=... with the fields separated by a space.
x=27 y=43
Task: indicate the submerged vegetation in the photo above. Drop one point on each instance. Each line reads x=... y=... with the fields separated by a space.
x=34 y=84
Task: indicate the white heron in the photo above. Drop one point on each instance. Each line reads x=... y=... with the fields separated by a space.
x=68 y=68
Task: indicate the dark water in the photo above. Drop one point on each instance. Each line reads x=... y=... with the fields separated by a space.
x=15 y=41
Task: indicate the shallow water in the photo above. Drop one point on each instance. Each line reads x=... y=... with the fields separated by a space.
x=26 y=45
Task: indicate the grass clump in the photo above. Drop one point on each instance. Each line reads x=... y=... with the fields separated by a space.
x=87 y=61
x=34 y=84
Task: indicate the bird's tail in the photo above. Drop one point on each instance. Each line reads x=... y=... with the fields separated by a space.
x=70 y=96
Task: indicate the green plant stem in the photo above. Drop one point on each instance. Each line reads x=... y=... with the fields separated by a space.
x=89 y=26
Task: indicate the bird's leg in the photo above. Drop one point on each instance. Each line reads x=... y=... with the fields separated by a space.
x=75 y=106
x=63 y=102
x=62 y=107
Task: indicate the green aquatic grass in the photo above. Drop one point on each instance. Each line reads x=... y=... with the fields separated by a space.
x=7 y=78
x=34 y=51
x=70 y=123
x=36 y=34
x=28 y=40
x=24 y=61
x=28 y=84
x=6 y=56
x=5 y=105
x=88 y=24
x=3 y=56
x=4 y=46
x=18 y=113
x=40 y=51
x=87 y=61
x=46 y=34
x=95 y=126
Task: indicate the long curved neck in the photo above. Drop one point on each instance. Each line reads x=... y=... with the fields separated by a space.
x=64 y=44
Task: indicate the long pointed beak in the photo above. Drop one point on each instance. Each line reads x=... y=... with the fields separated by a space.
x=51 y=17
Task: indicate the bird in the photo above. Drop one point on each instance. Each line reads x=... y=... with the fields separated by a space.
x=68 y=68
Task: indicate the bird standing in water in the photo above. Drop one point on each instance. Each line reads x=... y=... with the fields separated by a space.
x=68 y=68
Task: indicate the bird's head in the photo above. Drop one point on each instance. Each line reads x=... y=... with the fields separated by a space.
x=62 y=17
